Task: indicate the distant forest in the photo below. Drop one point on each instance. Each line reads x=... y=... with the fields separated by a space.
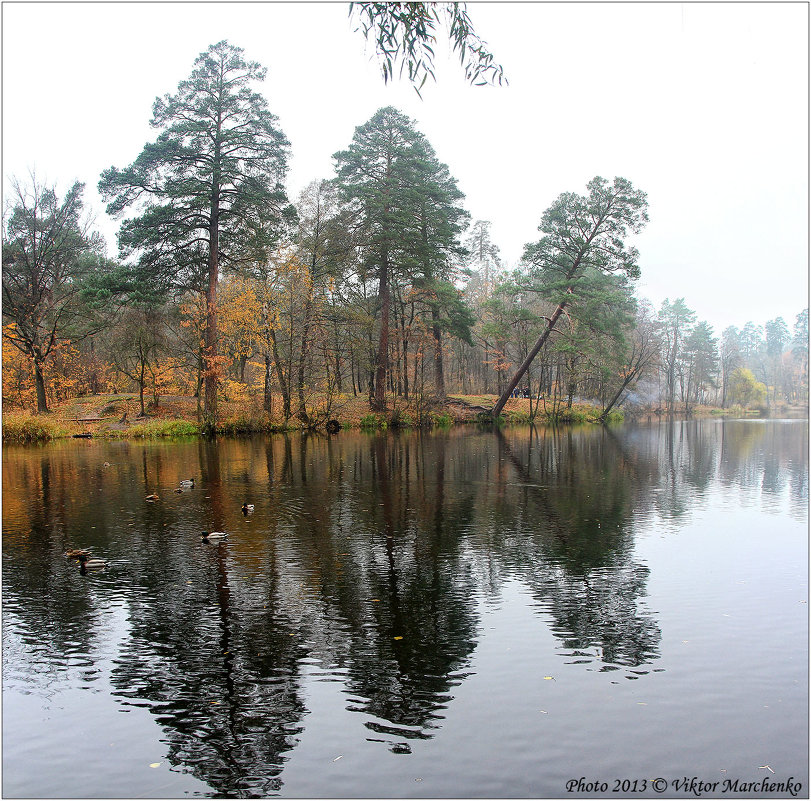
x=374 y=283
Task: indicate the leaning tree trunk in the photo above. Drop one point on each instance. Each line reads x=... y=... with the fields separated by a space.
x=632 y=374
x=519 y=374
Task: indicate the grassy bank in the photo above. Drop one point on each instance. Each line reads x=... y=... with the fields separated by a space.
x=27 y=427
x=117 y=416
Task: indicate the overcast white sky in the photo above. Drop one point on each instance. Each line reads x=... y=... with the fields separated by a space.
x=703 y=106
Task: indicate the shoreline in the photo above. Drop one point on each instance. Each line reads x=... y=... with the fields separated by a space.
x=108 y=417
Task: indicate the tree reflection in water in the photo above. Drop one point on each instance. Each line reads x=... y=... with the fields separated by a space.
x=368 y=557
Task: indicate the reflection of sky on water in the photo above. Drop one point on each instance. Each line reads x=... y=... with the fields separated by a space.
x=454 y=608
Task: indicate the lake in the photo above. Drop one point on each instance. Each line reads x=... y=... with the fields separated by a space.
x=528 y=613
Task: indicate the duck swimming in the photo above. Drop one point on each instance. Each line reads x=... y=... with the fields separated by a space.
x=87 y=562
x=247 y=508
x=187 y=482
x=76 y=553
x=152 y=497
x=213 y=536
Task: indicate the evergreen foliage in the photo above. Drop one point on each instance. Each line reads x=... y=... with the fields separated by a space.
x=208 y=193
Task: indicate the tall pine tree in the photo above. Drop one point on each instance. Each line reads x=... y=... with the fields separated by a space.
x=439 y=223
x=208 y=193
x=374 y=174
x=408 y=222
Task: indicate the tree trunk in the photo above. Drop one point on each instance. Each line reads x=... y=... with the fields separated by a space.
x=379 y=401
x=210 y=358
x=93 y=377
x=305 y=352
x=39 y=382
x=210 y=405
x=142 y=377
x=439 y=368
x=630 y=377
x=267 y=401
x=284 y=385
x=528 y=361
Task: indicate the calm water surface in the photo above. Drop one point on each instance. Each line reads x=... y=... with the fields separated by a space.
x=462 y=614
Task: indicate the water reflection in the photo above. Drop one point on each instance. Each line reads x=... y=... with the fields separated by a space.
x=366 y=563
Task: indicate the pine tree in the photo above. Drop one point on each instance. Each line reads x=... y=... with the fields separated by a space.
x=408 y=220
x=440 y=221
x=582 y=233
x=208 y=192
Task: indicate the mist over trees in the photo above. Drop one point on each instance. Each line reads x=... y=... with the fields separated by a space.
x=374 y=283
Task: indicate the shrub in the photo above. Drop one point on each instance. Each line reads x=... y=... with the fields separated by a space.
x=372 y=421
x=401 y=419
x=442 y=419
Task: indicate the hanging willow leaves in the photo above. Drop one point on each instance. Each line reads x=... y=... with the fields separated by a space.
x=404 y=34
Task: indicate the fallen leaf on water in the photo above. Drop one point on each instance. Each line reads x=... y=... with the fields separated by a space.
x=155 y=765
x=548 y=678
x=398 y=638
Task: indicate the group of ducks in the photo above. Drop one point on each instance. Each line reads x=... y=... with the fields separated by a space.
x=88 y=562
x=187 y=483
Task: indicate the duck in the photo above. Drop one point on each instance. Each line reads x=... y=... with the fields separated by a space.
x=187 y=482
x=247 y=508
x=213 y=536
x=152 y=497
x=90 y=563
x=76 y=553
